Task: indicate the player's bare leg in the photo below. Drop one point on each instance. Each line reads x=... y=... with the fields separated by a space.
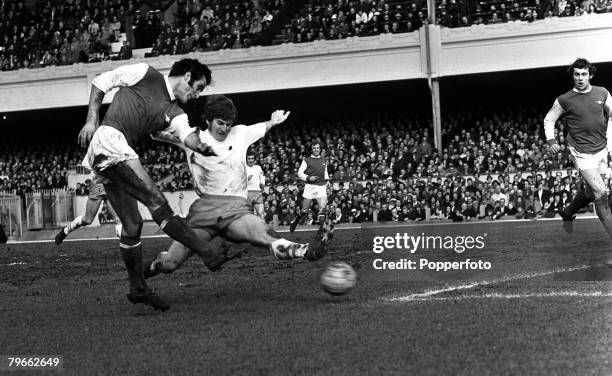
x=252 y=229
x=115 y=217
x=93 y=204
x=596 y=184
x=131 y=248
x=246 y=229
x=170 y=260
x=132 y=178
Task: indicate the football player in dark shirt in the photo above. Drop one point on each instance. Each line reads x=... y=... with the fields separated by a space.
x=586 y=109
x=145 y=103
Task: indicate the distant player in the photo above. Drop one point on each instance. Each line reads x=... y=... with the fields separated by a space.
x=255 y=184
x=97 y=195
x=586 y=109
x=221 y=182
x=313 y=171
x=144 y=104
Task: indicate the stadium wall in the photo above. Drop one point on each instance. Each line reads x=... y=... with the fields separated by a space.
x=476 y=49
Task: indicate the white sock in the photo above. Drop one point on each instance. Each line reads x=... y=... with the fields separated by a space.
x=76 y=223
x=284 y=249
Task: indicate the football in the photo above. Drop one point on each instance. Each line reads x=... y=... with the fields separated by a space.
x=338 y=278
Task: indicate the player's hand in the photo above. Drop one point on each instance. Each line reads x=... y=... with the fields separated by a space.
x=312 y=178
x=554 y=148
x=87 y=133
x=279 y=116
x=206 y=150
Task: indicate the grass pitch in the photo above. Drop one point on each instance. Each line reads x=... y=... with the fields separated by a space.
x=545 y=307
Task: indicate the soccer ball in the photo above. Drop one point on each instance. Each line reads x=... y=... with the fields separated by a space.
x=338 y=278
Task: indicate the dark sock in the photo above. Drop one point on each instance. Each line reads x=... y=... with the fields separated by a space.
x=321 y=218
x=605 y=215
x=132 y=257
x=580 y=201
x=177 y=228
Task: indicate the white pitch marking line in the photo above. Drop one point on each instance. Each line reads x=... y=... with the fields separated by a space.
x=551 y=294
x=79 y=240
x=337 y=228
x=518 y=277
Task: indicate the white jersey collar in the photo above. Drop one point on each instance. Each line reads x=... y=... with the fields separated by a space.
x=585 y=91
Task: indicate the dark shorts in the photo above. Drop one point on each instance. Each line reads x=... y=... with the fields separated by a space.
x=215 y=213
x=255 y=197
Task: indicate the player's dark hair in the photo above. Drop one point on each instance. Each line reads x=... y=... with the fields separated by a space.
x=220 y=107
x=197 y=70
x=250 y=154
x=582 y=63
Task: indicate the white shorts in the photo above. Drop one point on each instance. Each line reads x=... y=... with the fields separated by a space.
x=586 y=161
x=312 y=191
x=108 y=147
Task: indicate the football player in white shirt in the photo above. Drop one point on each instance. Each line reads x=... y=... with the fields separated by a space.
x=221 y=182
x=255 y=184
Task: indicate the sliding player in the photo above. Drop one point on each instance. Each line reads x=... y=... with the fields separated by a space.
x=221 y=182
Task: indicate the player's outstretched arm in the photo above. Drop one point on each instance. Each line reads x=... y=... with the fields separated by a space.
x=277 y=118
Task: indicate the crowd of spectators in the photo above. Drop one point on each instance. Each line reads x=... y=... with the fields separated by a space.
x=210 y=26
x=56 y=32
x=338 y=19
x=493 y=164
x=506 y=11
x=24 y=169
x=45 y=33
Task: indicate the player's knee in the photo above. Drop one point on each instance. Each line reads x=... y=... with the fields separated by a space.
x=131 y=229
x=157 y=199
